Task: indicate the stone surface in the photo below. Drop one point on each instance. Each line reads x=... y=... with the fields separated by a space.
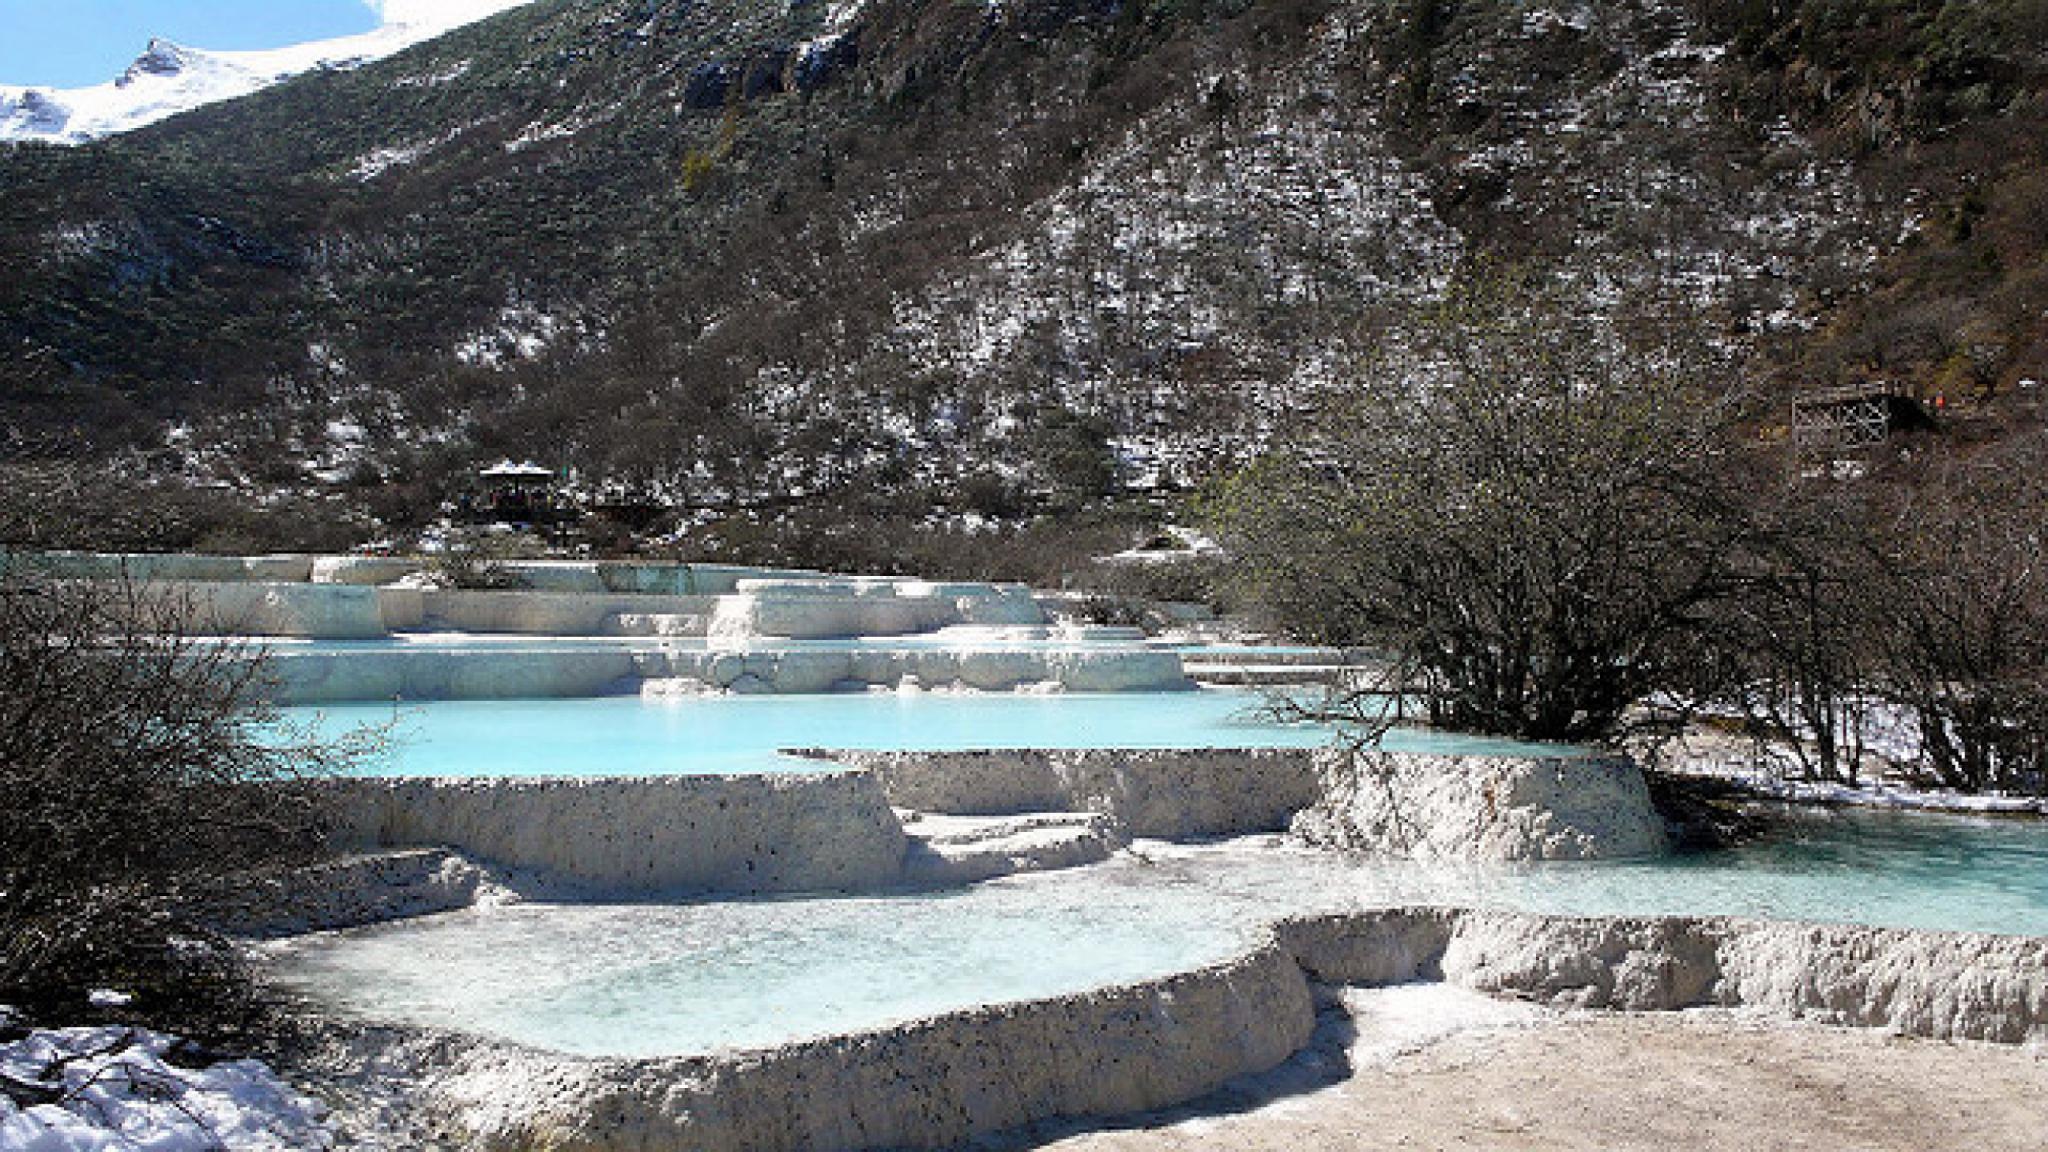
x=823 y=610
x=724 y=579
x=658 y=624
x=843 y=669
x=370 y=570
x=1636 y=964
x=1943 y=985
x=832 y=830
x=345 y=893
x=1131 y=670
x=1704 y=1081
x=954 y=850
x=839 y=830
x=299 y=610
x=537 y=613
x=826 y=608
x=1482 y=808
x=1006 y=605
x=424 y=673
x=934 y=1083
x=403 y=608
x=1164 y=793
x=814 y=832
x=1002 y=640
x=573 y=576
x=166 y=566
x=980 y=1074
x=1390 y=946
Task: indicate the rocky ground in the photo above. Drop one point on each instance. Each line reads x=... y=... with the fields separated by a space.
x=1436 y=1068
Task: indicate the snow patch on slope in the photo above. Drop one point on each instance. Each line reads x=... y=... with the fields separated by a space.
x=169 y=78
x=122 y=1089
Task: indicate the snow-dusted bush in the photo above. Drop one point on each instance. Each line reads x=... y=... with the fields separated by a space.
x=1526 y=507
x=132 y=774
x=113 y=1089
x=1967 y=653
x=1904 y=611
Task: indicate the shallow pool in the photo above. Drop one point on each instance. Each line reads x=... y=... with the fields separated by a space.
x=653 y=979
x=1901 y=870
x=1897 y=869
x=636 y=736
x=963 y=639
x=638 y=980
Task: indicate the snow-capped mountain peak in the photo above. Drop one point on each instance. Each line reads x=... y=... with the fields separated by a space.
x=162 y=58
x=169 y=78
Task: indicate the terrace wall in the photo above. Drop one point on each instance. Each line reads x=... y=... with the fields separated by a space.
x=978 y=1073
x=730 y=834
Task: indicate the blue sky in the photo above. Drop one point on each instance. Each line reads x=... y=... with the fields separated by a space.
x=72 y=43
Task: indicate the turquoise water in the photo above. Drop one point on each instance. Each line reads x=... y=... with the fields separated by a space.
x=975 y=639
x=656 y=979
x=1896 y=869
x=982 y=640
x=634 y=736
x=1847 y=866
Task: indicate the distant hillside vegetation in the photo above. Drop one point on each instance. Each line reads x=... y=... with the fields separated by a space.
x=757 y=260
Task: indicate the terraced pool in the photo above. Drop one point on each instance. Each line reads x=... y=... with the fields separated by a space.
x=635 y=736
x=670 y=979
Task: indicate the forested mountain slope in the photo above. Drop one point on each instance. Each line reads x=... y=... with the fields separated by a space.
x=990 y=258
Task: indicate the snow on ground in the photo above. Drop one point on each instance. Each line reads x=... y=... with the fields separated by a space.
x=1764 y=780
x=1397 y=1019
x=1192 y=545
x=170 y=78
x=1892 y=744
x=119 y=1090
x=522 y=331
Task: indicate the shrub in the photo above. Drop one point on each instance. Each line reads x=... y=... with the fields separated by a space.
x=1966 y=650
x=133 y=777
x=1527 y=513
x=1799 y=645
x=477 y=561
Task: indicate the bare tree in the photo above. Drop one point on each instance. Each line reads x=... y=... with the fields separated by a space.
x=134 y=771
x=1524 y=507
x=1966 y=651
x=1799 y=644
